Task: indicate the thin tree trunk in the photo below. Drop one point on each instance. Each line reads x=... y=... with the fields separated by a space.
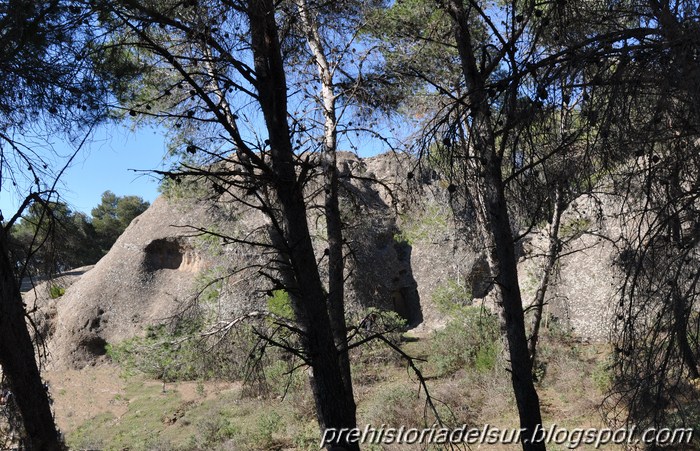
x=553 y=250
x=494 y=223
x=334 y=226
x=498 y=238
x=679 y=307
x=335 y=405
x=19 y=363
x=680 y=328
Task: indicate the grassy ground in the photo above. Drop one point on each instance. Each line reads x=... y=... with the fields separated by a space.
x=98 y=409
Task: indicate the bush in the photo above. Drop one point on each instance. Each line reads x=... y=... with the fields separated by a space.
x=209 y=284
x=470 y=339
x=422 y=226
x=184 y=188
x=602 y=376
x=217 y=429
x=182 y=353
x=373 y=321
x=575 y=228
x=269 y=423
x=179 y=352
x=56 y=291
x=306 y=437
x=161 y=354
x=449 y=297
x=189 y=349
x=281 y=378
x=394 y=405
x=280 y=304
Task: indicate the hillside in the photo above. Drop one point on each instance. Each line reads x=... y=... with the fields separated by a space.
x=409 y=256
x=406 y=251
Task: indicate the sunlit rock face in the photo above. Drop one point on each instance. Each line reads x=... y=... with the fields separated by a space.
x=403 y=245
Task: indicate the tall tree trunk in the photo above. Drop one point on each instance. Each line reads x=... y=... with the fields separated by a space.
x=679 y=305
x=498 y=239
x=334 y=226
x=335 y=404
x=494 y=224
x=680 y=329
x=19 y=363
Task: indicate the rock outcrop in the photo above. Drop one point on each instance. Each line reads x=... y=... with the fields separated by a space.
x=586 y=279
x=405 y=246
x=143 y=280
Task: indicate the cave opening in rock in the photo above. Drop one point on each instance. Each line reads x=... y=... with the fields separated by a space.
x=95 y=345
x=163 y=254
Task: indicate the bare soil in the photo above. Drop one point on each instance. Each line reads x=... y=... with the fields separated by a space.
x=80 y=395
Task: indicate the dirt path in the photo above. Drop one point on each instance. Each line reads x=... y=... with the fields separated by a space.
x=83 y=394
x=80 y=395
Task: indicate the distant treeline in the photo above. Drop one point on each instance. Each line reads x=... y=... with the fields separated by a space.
x=51 y=238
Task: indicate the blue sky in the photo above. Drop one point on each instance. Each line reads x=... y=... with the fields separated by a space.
x=105 y=163
x=108 y=161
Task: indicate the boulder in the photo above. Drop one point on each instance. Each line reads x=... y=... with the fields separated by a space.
x=142 y=280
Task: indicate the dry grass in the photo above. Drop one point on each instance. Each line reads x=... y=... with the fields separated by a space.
x=96 y=409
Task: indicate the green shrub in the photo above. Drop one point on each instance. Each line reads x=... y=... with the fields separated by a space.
x=422 y=226
x=268 y=423
x=209 y=284
x=209 y=241
x=184 y=188
x=306 y=437
x=394 y=405
x=180 y=353
x=161 y=354
x=217 y=429
x=470 y=339
x=281 y=378
x=280 y=304
x=602 y=377
x=486 y=356
x=189 y=349
x=386 y=321
x=575 y=228
x=56 y=291
x=450 y=296
x=374 y=321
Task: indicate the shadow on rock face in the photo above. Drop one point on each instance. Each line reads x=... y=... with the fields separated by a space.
x=93 y=346
x=405 y=298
